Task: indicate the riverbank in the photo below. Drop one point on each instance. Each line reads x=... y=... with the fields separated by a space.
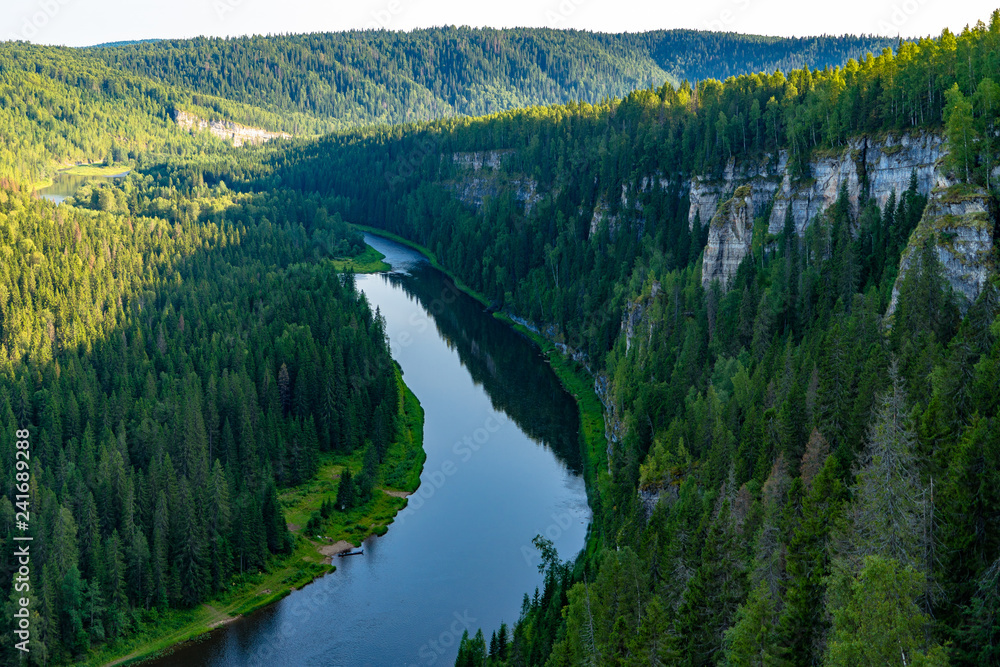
x=93 y=169
x=575 y=379
x=96 y=169
x=369 y=261
x=399 y=473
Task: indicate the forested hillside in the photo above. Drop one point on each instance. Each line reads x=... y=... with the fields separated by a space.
x=797 y=478
x=179 y=353
x=59 y=106
x=358 y=78
x=175 y=369
x=580 y=158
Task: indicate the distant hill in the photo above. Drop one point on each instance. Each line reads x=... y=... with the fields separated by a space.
x=368 y=77
x=128 y=42
x=60 y=105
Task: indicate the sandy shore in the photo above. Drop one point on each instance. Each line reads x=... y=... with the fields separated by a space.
x=398 y=494
x=335 y=548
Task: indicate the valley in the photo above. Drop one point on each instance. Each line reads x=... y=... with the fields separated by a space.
x=669 y=347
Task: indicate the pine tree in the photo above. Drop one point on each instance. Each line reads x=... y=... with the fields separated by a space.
x=218 y=528
x=979 y=637
x=117 y=612
x=801 y=629
x=159 y=556
x=190 y=565
x=345 y=491
x=71 y=612
x=961 y=131
x=881 y=624
x=714 y=593
x=502 y=644
x=751 y=639
x=276 y=530
x=284 y=389
x=889 y=510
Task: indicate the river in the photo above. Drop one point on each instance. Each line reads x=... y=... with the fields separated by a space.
x=65 y=185
x=503 y=464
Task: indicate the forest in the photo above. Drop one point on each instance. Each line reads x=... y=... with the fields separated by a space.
x=175 y=371
x=180 y=353
x=807 y=451
x=59 y=106
x=564 y=272
x=376 y=76
x=823 y=478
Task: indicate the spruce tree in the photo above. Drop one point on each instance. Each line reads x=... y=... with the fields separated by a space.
x=346 y=492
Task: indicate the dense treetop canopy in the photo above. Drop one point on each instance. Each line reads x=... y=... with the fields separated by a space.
x=364 y=77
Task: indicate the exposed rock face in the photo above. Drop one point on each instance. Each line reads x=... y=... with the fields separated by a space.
x=963 y=229
x=614 y=429
x=475 y=190
x=483 y=179
x=890 y=164
x=480 y=159
x=729 y=238
x=886 y=163
x=632 y=318
x=602 y=213
x=765 y=178
x=650 y=497
x=228 y=130
x=646 y=182
x=883 y=166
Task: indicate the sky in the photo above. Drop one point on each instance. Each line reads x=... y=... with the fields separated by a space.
x=87 y=22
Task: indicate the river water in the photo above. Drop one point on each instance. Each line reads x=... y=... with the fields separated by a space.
x=65 y=185
x=503 y=465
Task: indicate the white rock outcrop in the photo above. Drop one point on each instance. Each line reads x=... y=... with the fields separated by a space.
x=477 y=160
x=875 y=167
x=707 y=193
x=962 y=228
x=887 y=164
x=228 y=130
x=482 y=178
x=729 y=237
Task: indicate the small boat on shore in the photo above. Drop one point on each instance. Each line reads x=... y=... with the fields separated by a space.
x=353 y=552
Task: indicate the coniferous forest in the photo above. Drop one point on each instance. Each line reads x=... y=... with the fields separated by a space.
x=799 y=465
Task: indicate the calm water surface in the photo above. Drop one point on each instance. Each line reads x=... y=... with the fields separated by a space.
x=503 y=464
x=65 y=185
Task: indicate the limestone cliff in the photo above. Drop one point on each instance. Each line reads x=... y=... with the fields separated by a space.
x=602 y=213
x=481 y=177
x=882 y=165
x=963 y=228
x=228 y=130
x=707 y=193
x=614 y=427
x=876 y=167
x=729 y=238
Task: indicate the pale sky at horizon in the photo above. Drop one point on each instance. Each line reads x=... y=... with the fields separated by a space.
x=87 y=22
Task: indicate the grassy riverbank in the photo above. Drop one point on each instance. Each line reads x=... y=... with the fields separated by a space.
x=369 y=261
x=399 y=473
x=96 y=169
